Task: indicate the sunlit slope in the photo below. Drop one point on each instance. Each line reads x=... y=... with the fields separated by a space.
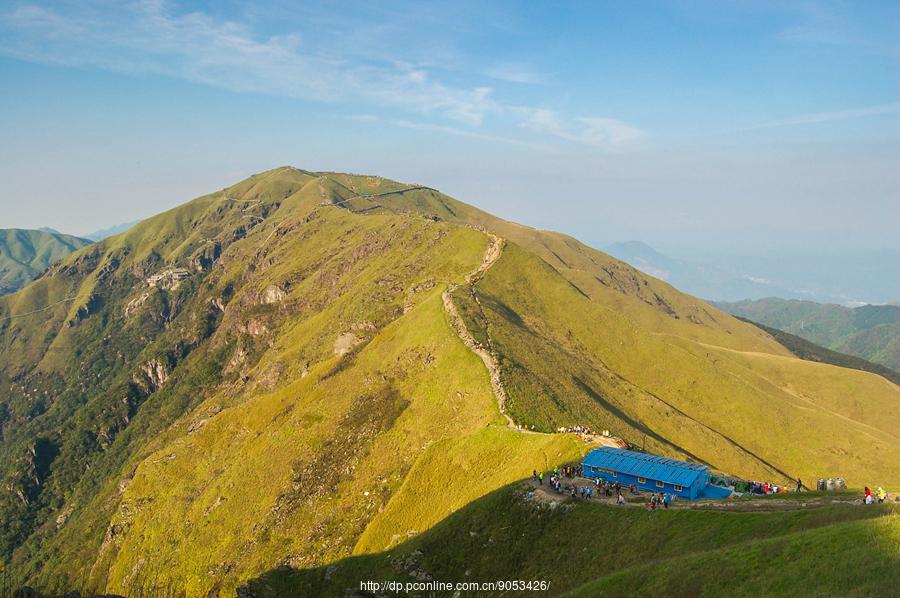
x=568 y=358
x=213 y=392
x=302 y=352
x=296 y=476
x=395 y=431
x=649 y=302
x=585 y=339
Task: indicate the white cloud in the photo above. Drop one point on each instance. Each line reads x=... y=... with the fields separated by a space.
x=446 y=129
x=150 y=37
x=153 y=37
x=605 y=133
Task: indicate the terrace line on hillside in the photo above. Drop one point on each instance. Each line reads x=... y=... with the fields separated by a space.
x=650 y=472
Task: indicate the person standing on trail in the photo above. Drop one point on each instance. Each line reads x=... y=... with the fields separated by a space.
x=666 y=500
x=799 y=484
x=620 y=499
x=868 y=493
x=541 y=478
x=534 y=474
x=591 y=490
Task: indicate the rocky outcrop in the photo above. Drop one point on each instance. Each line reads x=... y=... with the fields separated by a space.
x=135 y=303
x=153 y=374
x=345 y=343
x=91 y=306
x=273 y=294
x=205 y=258
x=256 y=327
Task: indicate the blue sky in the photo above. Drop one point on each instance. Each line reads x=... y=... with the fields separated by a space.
x=694 y=126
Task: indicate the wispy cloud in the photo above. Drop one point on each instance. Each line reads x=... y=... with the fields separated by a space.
x=513 y=73
x=834 y=24
x=819 y=117
x=151 y=37
x=605 y=133
x=446 y=130
x=155 y=37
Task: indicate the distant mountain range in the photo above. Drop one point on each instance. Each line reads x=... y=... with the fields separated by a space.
x=99 y=235
x=871 y=332
x=24 y=254
x=845 y=279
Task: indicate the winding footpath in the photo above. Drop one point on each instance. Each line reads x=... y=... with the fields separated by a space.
x=491 y=255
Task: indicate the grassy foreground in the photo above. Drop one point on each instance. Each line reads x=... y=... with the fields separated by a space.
x=594 y=550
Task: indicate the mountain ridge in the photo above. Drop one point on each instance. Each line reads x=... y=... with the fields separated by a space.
x=274 y=364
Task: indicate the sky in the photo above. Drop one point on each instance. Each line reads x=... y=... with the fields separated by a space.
x=702 y=128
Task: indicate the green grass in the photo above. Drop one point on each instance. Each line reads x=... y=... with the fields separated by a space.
x=627 y=550
x=854 y=558
x=264 y=447
x=575 y=356
x=809 y=351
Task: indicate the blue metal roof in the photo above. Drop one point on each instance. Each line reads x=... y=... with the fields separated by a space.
x=643 y=465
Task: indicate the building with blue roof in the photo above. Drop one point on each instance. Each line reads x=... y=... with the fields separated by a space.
x=650 y=472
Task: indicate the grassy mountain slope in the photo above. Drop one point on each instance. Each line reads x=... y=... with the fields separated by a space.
x=24 y=254
x=597 y=550
x=269 y=375
x=871 y=332
x=813 y=562
x=809 y=351
x=716 y=403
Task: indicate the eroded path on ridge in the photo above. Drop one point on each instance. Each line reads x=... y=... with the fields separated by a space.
x=491 y=255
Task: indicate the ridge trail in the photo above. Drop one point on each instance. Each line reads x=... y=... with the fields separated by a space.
x=491 y=255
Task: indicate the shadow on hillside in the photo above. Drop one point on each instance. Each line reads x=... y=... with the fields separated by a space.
x=507 y=536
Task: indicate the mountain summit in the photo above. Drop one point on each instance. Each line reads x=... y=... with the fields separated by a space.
x=310 y=365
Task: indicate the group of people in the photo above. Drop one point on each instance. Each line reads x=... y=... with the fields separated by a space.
x=767 y=488
x=576 y=429
x=879 y=495
x=658 y=500
x=603 y=487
